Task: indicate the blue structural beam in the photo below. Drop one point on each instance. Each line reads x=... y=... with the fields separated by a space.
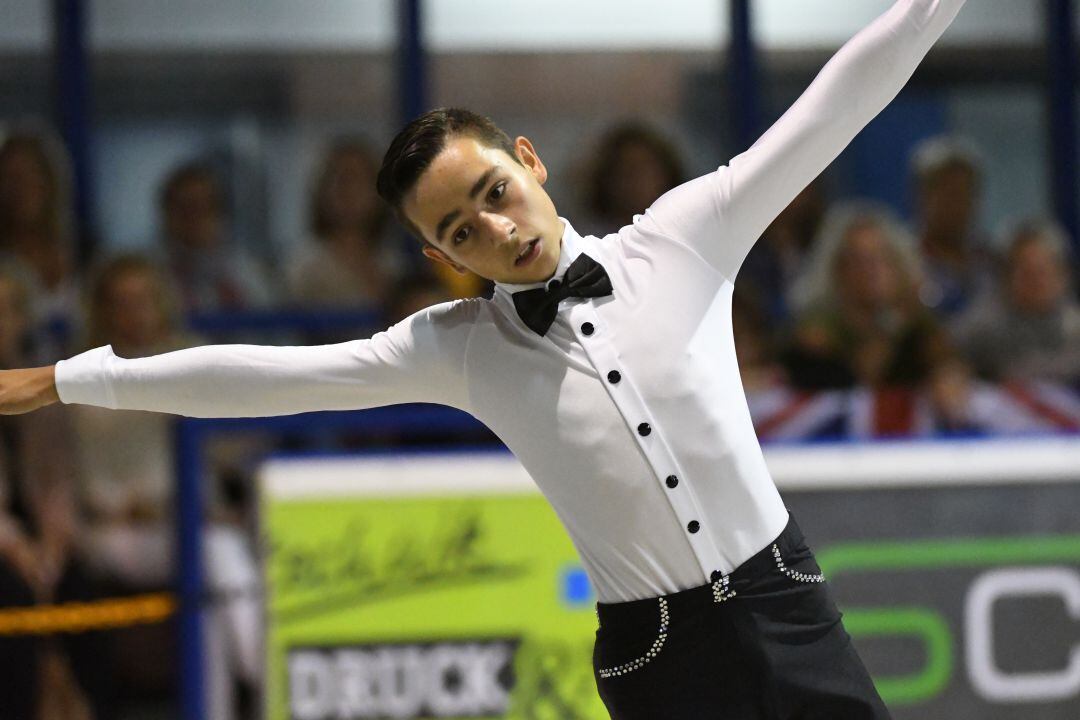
x=412 y=58
x=1061 y=102
x=744 y=97
x=190 y=576
x=71 y=73
x=289 y=319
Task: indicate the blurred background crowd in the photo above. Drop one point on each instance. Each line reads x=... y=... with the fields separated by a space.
x=932 y=299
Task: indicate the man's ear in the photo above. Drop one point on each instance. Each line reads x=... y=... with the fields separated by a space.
x=433 y=253
x=528 y=156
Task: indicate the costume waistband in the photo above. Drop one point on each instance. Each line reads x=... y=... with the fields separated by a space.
x=644 y=612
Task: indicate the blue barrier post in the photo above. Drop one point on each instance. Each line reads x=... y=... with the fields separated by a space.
x=412 y=76
x=71 y=71
x=190 y=572
x=744 y=97
x=1061 y=104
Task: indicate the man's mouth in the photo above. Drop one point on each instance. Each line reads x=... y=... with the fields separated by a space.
x=528 y=253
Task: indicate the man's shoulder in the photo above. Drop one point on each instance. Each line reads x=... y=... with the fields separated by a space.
x=452 y=315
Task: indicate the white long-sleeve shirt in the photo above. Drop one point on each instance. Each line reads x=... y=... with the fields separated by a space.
x=656 y=471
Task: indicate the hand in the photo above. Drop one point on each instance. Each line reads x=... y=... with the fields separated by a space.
x=950 y=391
x=24 y=390
x=22 y=557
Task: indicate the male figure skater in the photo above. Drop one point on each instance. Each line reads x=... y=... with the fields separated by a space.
x=607 y=366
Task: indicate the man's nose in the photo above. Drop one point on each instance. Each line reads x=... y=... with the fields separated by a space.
x=499 y=227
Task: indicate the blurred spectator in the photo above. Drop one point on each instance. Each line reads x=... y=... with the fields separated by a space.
x=779 y=256
x=863 y=323
x=127 y=458
x=413 y=294
x=632 y=166
x=349 y=261
x=35 y=226
x=1030 y=328
x=957 y=258
x=755 y=344
x=210 y=270
x=41 y=676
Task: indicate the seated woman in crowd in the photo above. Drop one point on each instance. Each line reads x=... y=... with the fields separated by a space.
x=127 y=462
x=781 y=254
x=35 y=227
x=1030 y=328
x=45 y=677
x=863 y=322
x=956 y=255
x=632 y=166
x=349 y=260
x=210 y=270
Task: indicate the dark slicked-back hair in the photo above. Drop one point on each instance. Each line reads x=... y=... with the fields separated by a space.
x=412 y=151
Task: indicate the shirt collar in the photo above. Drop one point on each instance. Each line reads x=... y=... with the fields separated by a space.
x=569 y=249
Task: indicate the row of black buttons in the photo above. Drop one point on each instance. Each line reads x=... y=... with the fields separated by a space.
x=644 y=429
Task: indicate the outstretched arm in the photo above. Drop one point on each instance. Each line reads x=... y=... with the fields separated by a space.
x=421 y=359
x=722 y=214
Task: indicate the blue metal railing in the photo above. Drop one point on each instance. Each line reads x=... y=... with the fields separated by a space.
x=418 y=421
x=308 y=321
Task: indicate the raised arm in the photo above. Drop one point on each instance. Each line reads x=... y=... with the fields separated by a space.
x=421 y=359
x=722 y=214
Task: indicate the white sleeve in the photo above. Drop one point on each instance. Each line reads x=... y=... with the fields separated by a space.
x=723 y=213
x=420 y=359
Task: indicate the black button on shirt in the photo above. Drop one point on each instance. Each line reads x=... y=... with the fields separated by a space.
x=643 y=429
x=672 y=481
x=694 y=526
x=716 y=575
x=587 y=328
x=614 y=377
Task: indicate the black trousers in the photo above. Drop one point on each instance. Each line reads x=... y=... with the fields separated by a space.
x=764 y=643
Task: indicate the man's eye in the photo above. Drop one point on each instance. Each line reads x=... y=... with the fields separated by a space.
x=461 y=235
x=498 y=191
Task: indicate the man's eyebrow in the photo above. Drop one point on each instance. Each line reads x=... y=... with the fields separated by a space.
x=479 y=185
x=445 y=223
x=453 y=214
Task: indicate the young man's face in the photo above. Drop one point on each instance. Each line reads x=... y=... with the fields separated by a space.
x=482 y=211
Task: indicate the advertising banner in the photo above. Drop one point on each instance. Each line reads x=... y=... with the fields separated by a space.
x=422 y=587
x=443 y=586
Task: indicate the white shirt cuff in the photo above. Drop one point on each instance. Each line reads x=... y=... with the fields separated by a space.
x=85 y=378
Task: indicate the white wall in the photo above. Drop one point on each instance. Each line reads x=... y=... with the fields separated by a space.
x=800 y=23
x=489 y=25
x=23 y=24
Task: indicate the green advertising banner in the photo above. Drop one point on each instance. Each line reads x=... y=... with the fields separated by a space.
x=443 y=585
x=389 y=601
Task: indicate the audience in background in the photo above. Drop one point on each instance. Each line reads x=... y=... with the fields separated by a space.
x=756 y=341
x=780 y=255
x=36 y=227
x=845 y=327
x=957 y=258
x=126 y=460
x=631 y=167
x=863 y=323
x=211 y=271
x=349 y=259
x=62 y=677
x=1030 y=328
x=414 y=293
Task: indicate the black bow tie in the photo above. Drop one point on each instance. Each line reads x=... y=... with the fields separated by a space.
x=584 y=278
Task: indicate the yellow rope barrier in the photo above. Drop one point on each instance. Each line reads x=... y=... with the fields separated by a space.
x=77 y=617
